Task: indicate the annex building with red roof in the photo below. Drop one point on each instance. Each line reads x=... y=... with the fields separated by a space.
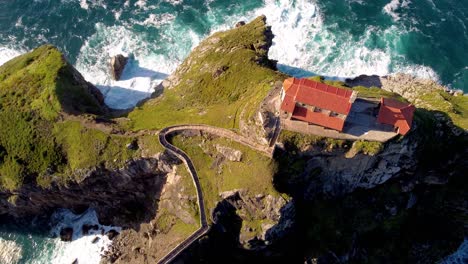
x=397 y=114
x=308 y=105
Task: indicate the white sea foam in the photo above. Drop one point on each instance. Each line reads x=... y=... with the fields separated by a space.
x=391 y=9
x=82 y=247
x=303 y=41
x=7 y=54
x=146 y=68
x=84 y=4
x=458 y=257
x=158 y=19
x=10 y=251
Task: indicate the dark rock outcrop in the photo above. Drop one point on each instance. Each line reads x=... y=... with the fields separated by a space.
x=86 y=228
x=240 y=24
x=117 y=65
x=274 y=213
x=66 y=234
x=111 y=234
x=219 y=71
x=121 y=197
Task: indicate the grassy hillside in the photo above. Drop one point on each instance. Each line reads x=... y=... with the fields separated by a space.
x=254 y=173
x=222 y=81
x=456 y=107
x=38 y=91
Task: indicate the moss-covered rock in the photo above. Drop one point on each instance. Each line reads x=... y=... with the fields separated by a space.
x=38 y=91
x=221 y=82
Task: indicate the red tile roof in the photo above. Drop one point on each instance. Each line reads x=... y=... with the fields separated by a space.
x=288 y=103
x=303 y=114
x=319 y=94
x=396 y=113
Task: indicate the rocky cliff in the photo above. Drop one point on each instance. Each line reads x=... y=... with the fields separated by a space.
x=349 y=201
x=122 y=197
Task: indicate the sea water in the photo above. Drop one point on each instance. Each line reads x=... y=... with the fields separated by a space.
x=35 y=245
x=333 y=38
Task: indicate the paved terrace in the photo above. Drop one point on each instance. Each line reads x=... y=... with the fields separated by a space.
x=361 y=124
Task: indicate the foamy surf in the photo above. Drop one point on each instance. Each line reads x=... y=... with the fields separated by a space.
x=10 y=251
x=305 y=45
x=7 y=54
x=458 y=257
x=146 y=68
x=86 y=249
x=33 y=245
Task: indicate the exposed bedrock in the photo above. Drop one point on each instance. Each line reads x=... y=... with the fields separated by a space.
x=121 y=197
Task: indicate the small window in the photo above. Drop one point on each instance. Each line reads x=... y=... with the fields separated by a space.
x=334 y=114
x=317 y=110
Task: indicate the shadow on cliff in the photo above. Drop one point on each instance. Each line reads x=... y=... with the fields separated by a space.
x=123 y=97
x=125 y=198
x=134 y=70
x=362 y=80
x=222 y=245
x=417 y=216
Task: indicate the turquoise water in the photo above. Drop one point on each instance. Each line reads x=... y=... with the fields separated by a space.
x=39 y=244
x=334 y=38
x=339 y=38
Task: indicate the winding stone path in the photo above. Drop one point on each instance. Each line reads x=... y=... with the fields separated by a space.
x=204 y=228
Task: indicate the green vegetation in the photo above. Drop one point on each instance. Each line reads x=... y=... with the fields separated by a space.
x=220 y=83
x=456 y=107
x=169 y=223
x=36 y=89
x=254 y=173
x=363 y=92
x=86 y=148
x=377 y=93
x=371 y=148
x=150 y=145
x=300 y=141
x=335 y=83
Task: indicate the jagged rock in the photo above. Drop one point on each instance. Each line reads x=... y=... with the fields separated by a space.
x=240 y=24
x=101 y=187
x=229 y=153
x=337 y=172
x=111 y=234
x=66 y=234
x=365 y=80
x=85 y=228
x=132 y=145
x=435 y=180
x=275 y=214
x=95 y=240
x=219 y=71
x=117 y=65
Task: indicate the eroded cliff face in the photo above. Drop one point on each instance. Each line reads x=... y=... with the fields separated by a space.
x=409 y=194
x=265 y=218
x=335 y=173
x=122 y=197
x=175 y=218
